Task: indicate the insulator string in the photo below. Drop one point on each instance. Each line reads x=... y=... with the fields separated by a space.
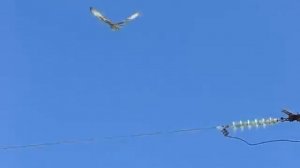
x=253 y=123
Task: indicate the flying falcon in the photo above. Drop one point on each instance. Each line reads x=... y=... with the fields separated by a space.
x=113 y=26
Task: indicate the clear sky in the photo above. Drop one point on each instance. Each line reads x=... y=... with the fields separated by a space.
x=182 y=64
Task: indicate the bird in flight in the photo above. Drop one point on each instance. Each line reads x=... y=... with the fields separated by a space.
x=113 y=26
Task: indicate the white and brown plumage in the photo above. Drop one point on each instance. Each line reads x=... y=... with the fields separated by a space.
x=113 y=26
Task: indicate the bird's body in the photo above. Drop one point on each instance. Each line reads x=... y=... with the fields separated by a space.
x=113 y=26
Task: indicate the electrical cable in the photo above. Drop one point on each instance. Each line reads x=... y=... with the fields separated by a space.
x=38 y=145
x=263 y=142
x=91 y=140
x=223 y=129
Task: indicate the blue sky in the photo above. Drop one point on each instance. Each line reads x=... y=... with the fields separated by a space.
x=182 y=64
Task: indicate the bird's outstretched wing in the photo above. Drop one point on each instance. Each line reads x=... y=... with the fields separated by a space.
x=101 y=17
x=129 y=19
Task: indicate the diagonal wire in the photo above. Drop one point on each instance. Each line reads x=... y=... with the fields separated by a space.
x=92 y=140
x=46 y=144
x=161 y=133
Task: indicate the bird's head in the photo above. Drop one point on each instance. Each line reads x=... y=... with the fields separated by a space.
x=115 y=27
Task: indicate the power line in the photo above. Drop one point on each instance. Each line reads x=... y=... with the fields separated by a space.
x=224 y=129
x=92 y=140
x=38 y=145
x=263 y=142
